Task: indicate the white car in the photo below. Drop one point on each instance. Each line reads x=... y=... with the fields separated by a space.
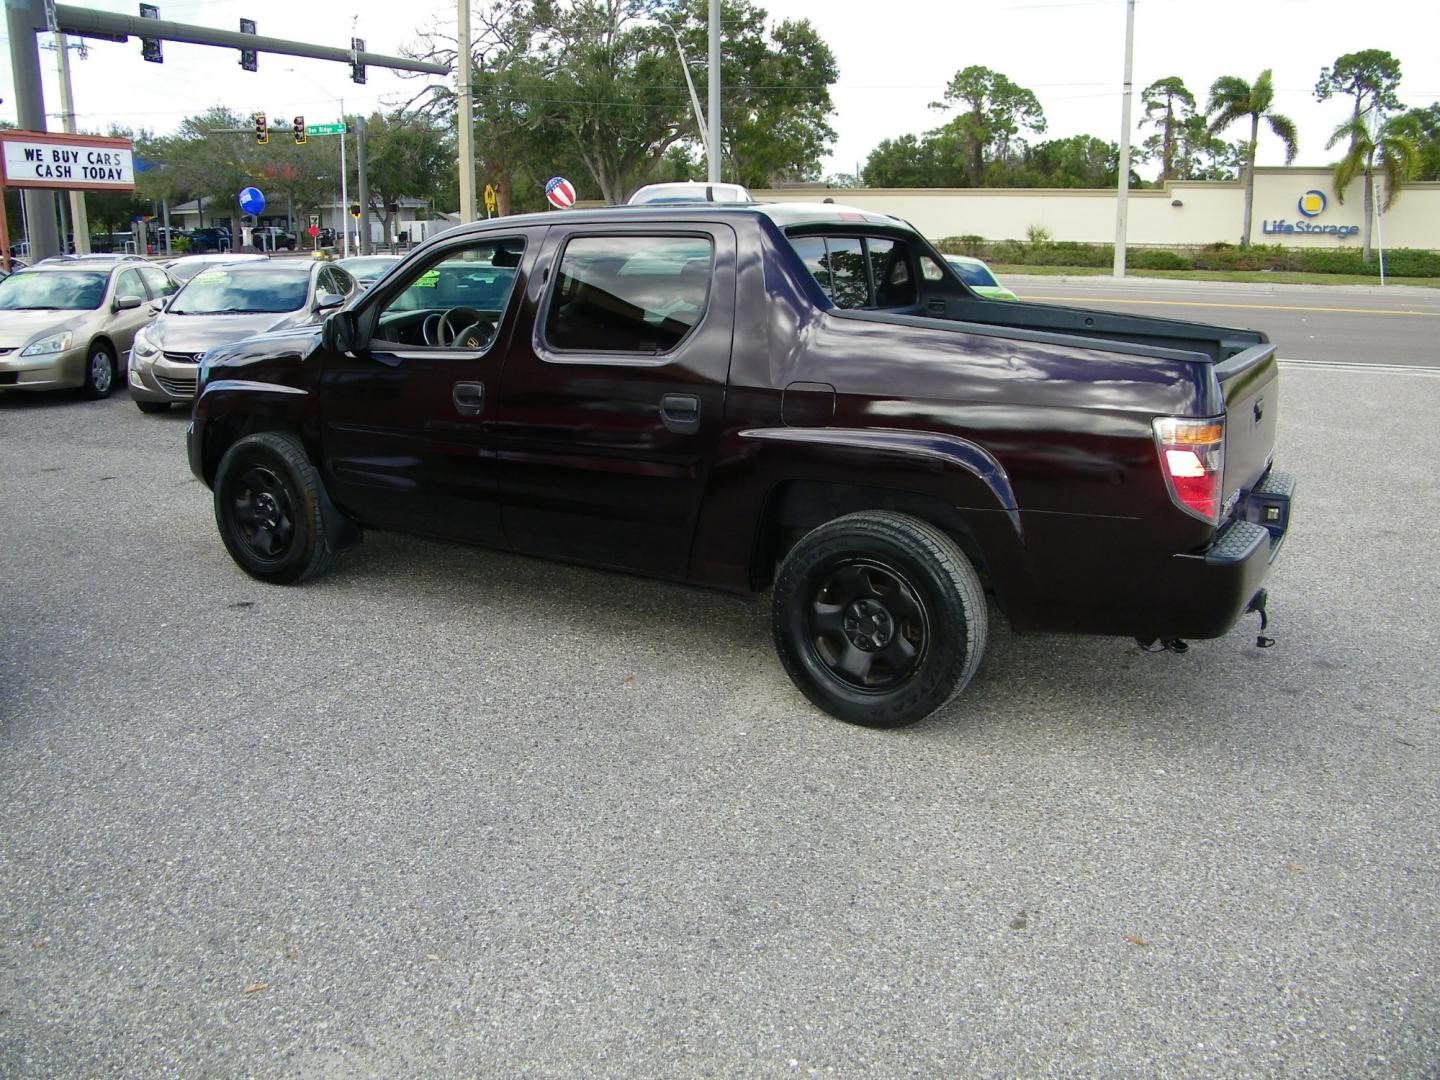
x=187 y=266
x=689 y=191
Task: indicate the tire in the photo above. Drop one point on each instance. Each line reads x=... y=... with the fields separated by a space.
x=269 y=511
x=99 y=372
x=879 y=618
x=152 y=406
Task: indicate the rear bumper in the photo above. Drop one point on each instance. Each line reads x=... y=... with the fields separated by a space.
x=1204 y=593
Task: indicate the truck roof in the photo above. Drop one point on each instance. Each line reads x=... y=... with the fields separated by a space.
x=783 y=214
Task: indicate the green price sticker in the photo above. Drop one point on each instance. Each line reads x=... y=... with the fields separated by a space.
x=428 y=280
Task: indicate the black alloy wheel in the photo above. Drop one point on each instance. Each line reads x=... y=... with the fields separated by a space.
x=879 y=618
x=269 y=509
x=868 y=625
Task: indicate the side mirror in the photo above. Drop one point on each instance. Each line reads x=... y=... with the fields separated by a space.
x=157 y=306
x=127 y=303
x=328 y=301
x=337 y=333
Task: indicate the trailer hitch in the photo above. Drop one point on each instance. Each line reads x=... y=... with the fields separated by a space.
x=1257 y=605
x=1170 y=645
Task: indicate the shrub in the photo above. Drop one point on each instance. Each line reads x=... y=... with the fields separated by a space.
x=1156 y=259
x=1038 y=235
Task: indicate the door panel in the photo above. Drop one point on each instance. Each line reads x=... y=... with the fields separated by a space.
x=408 y=426
x=604 y=449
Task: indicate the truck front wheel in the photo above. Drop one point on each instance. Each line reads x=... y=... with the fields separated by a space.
x=269 y=510
x=879 y=618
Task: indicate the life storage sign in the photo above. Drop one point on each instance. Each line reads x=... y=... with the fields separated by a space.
x=37 y=159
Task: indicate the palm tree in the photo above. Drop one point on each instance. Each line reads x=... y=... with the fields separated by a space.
x=1386 y=147
x=1231 y=99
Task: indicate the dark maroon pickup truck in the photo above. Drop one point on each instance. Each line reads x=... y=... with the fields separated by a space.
x=800 y=398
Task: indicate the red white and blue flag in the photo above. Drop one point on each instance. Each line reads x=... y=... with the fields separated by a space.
x=560 y=192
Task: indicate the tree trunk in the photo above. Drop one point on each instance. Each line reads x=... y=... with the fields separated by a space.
x=977 y=154
x=1367 y=253
x=1250 y=179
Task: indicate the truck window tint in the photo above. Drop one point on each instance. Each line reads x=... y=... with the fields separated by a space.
x=639 y=294
x=848 y=268
x=890 y=270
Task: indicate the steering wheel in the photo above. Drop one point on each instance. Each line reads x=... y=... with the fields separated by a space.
x=463 y=328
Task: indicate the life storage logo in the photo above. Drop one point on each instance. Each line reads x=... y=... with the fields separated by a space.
x=1311 y=205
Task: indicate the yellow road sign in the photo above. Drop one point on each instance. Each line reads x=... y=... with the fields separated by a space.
x=490 y=201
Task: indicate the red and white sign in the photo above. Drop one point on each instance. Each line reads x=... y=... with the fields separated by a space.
x=37 y=159
x=560 y=192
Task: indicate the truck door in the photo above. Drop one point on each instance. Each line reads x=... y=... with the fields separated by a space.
x=408 y=421
x=610 y=410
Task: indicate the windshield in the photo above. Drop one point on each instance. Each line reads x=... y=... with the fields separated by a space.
x=47 y=289
x=457 y=283
x=225 y=290
x=973 y=273
x=366 y=268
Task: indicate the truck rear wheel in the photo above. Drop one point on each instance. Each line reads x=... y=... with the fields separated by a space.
x=879 y=618
x=269 y=510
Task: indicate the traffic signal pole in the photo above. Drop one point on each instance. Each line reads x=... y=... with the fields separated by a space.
x=79 y=218
x=26 y=18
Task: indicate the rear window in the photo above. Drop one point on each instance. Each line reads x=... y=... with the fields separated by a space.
x=637 y=294
x=859 y=272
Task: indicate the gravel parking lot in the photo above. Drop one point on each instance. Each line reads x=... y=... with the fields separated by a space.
x=453 y=812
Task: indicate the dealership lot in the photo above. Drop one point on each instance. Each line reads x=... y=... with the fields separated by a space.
x=450 y=811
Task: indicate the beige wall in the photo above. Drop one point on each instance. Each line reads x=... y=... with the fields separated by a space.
x=1209 y=211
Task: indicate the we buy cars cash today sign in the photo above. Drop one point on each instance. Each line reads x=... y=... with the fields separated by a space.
x=37 y=159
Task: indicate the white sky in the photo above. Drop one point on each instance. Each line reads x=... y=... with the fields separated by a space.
x=895 y=57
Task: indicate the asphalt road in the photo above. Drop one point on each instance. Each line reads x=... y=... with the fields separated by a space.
x=1327 y=323
x=452 y=812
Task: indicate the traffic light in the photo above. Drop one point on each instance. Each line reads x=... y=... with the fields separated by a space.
x=262 y=129
x=298 y=127
x=150 y=48
x=357 y=69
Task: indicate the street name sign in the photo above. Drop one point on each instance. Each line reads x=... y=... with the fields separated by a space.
x=324 y=129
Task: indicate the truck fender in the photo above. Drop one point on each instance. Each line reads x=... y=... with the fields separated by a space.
x=951 y=451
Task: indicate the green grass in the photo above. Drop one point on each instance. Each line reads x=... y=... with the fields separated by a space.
x=1273 y=277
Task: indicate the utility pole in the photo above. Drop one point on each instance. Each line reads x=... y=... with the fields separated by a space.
x=344 y=189
x=714 y=148
x=23 y=20
x=363 y=195
x=1122 y=189
x=79 y=219
x=465 y=123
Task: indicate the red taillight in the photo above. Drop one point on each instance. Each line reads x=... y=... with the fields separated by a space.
x=1192 y=458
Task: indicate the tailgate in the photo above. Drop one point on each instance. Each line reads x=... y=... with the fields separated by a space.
x=1250 y=384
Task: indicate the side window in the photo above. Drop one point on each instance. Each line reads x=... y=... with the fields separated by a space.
x=930 y=269
x=344 y=283
x=329 y=282
x=454 y=301
x=859 y=272
x=129 y=284
x=633 y=294
x=158 y=281
x=890 y=270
